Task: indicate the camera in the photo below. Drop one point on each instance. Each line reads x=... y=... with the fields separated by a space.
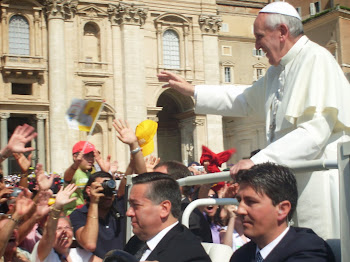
x=109 y=187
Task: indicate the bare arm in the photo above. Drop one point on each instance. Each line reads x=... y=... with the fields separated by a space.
x=176 y=82
x=20 y=137
x=48 y=240
x=88 y=234
x=127 y=136
x=22 y=206
x=70 y=171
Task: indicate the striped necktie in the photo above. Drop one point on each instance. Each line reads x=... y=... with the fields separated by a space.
x=142 y=250
x=259 y=257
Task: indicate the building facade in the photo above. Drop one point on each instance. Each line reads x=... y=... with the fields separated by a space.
x=55 y=50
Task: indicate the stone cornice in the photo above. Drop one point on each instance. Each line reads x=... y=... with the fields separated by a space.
x=125 y=13
x=210 y=24
x=64 y=9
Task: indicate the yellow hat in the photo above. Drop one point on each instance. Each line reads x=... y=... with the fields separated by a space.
x=145 y=132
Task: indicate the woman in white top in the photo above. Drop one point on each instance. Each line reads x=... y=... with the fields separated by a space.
x=55 y=244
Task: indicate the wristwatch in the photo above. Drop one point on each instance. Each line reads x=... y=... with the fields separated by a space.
x=9 y=216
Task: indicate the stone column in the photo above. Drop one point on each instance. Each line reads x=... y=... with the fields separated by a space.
x=130 y=18
x=129 y=85
x=41 y=139
x=4 y=138
x=57 y=12
x=210 y=25
x=199 y=135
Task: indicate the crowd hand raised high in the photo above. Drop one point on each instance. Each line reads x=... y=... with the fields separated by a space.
x=42 y=207
x=176 y=82
x=151 y=162
x=43 y=181
x=241 y=165
x=20 y=137
x=24 y=203
x=63 y=196
x=124 y=132
x=104 y=164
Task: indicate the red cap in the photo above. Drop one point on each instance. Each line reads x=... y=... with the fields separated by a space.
x=78 y=147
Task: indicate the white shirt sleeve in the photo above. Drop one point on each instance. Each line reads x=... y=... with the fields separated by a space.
x=304 y=143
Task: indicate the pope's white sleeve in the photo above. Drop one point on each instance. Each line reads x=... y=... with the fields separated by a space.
x=220 y=100
x=304 y=143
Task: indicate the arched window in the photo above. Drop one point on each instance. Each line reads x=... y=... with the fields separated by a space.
x=91 y=43
x=171 y=49
x=19 y=36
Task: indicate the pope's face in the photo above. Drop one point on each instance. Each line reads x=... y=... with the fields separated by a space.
x=267 y=39
x=145 y=216
x=258 y=214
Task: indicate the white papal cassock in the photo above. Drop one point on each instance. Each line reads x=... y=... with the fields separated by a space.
x=305 y=101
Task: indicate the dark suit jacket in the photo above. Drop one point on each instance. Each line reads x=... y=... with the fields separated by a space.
x=178 y=245
x=198 y=224
x=299 y=244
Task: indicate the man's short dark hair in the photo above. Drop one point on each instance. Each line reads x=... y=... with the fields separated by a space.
x=162 y=187
x=177 y=170
x=92 y=179
x=277 y=182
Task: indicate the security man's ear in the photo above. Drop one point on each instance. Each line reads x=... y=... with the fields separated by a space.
x=165 y=208
x=283 y=209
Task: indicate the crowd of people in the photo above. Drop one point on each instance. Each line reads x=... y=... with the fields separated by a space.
x=85 y=220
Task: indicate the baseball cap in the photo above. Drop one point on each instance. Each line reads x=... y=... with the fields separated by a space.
x=282 y=8
x=78 y=147
x=145 y=132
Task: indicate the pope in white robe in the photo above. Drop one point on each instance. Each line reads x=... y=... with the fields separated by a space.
x=304 y=99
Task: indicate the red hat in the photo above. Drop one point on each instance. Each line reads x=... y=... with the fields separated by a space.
x=215 y=160
x=78 y=147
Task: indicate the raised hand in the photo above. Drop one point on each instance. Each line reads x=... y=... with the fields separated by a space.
x=241 y=164
x=43 y=181
x=104 y=164
x=151 y=162
x=24 y=203
x=63 y=196
x=124 y=132
x=42 y=207
x=114 y=167
x=20 y=137
x=176 y=82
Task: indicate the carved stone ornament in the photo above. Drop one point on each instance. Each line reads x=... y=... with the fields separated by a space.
x=41 y=117
x=210 y=24
x=61 y=8
x=124 y=13
x=4 y=115
x=198 y=122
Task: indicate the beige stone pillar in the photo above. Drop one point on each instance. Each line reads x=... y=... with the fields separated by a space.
x=127 y=20
x=57 y=11
x=41 y=139
x=210 y=26
x=4 y=138
x=199 y=136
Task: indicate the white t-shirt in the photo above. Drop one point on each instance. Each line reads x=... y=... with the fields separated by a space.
x=76 y=254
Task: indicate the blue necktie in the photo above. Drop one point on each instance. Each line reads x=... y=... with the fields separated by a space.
x=259 y=257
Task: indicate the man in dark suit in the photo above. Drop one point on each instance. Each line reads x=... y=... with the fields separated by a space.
x=155 y=206
x=198 y=224
x=267 y=198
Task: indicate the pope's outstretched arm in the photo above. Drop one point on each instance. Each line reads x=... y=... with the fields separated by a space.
x=176 y=82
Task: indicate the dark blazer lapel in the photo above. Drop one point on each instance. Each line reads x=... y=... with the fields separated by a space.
x=164 y=243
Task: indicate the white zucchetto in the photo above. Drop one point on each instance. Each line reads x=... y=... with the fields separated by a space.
x=282 y=8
